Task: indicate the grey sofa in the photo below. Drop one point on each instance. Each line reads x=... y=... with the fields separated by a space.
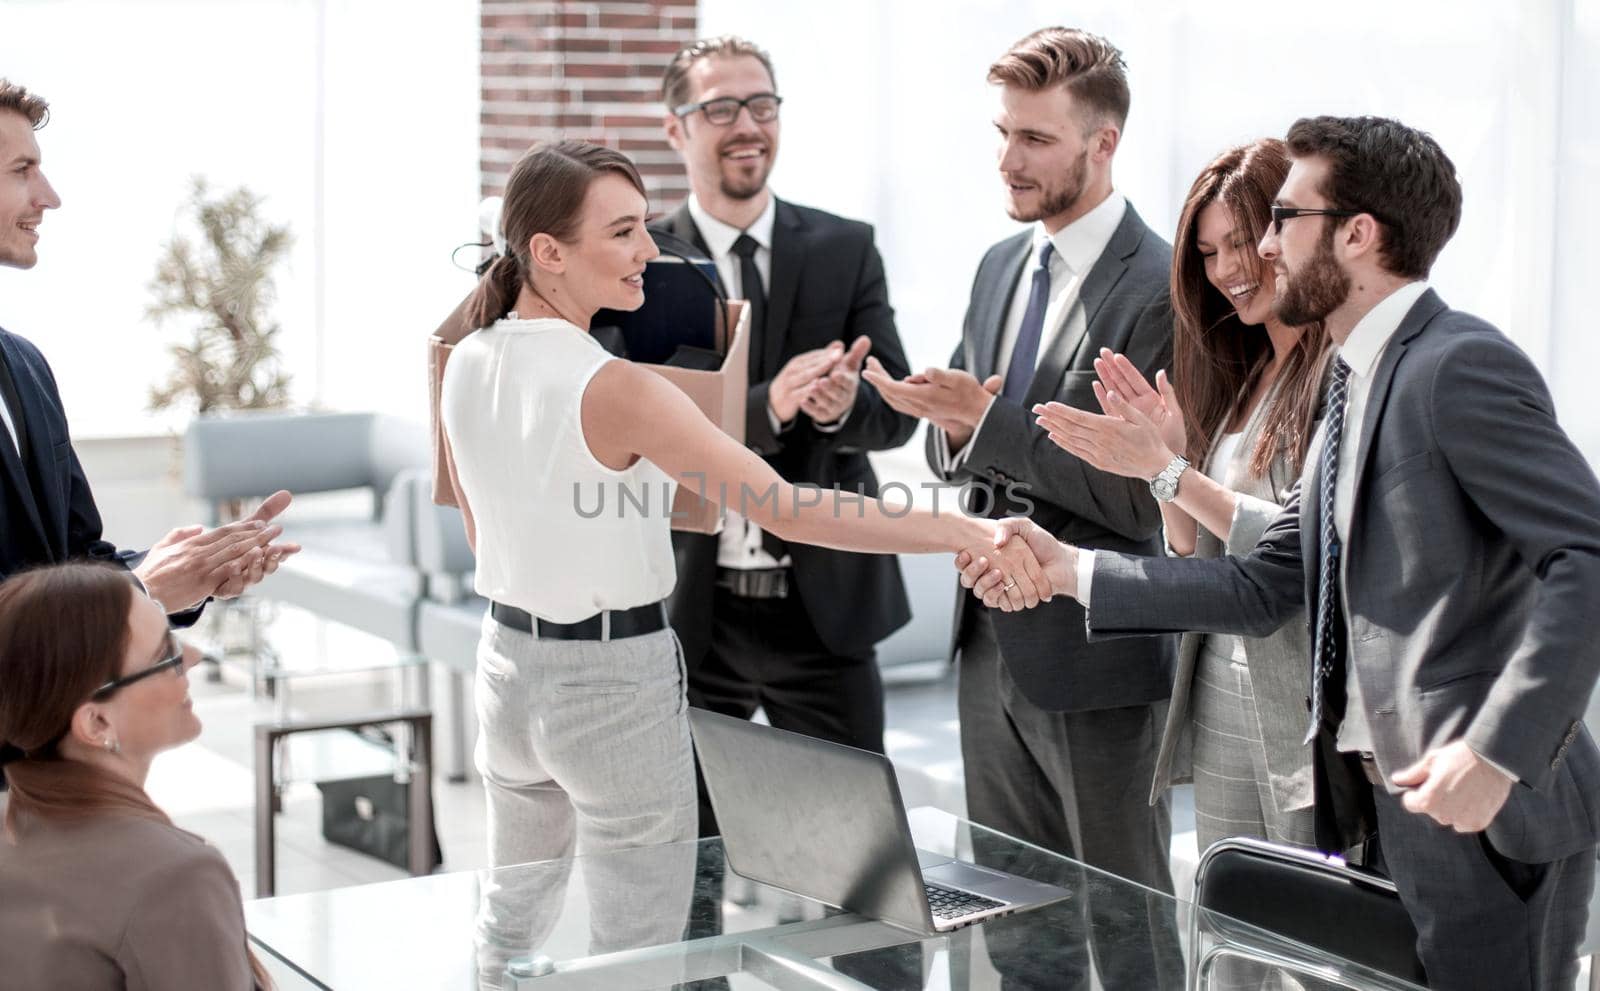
x=356 y=567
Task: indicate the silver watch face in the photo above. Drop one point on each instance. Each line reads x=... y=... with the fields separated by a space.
x=1165 y=485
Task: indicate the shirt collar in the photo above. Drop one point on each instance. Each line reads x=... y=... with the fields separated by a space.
x=1372 y=332
x=1081 y=242
x=720 y=236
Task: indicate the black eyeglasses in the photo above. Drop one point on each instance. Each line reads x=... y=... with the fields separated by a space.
x=172 y=661
x=725 y=110
x=1282 y=213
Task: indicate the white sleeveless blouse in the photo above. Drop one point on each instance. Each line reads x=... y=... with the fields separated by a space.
x=560 y=535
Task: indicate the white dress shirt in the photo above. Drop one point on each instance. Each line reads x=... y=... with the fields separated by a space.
x=1077 y=246
x=1361 y=351
x=11 y=427
x=739 y=544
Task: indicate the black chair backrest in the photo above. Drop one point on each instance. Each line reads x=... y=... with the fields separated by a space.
x=1312 y=899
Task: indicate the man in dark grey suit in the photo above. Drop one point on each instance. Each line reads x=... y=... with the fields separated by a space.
x=1057 y=736
x=1444 y=542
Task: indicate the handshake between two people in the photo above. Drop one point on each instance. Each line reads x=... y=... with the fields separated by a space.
x=1141 y=429
x=193 y=563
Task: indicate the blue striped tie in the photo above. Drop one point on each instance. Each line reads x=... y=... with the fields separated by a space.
x=1325 y=646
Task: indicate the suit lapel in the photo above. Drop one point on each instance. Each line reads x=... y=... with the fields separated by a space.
x=1102 y=277
x=995 y=304
x=38 y=443
x=788 y=258
x=1427 y=306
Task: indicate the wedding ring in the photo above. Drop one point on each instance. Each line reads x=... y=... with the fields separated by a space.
x=1009 y=587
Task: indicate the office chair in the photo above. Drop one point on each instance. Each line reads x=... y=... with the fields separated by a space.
x=1313 y=899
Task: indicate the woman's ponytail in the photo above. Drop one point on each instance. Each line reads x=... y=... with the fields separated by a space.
x=496 y=293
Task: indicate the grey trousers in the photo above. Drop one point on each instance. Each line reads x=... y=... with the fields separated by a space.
x=1232 y=787
x=583 y=747
x=1077 y=783
x=1484 y=920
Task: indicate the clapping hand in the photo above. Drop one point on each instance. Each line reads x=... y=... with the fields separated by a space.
x=259 y=562
x=790 y=387
x=833 y=394
x=979 y=570
x=949 y=398
x=1142 y=430
x=191 y=562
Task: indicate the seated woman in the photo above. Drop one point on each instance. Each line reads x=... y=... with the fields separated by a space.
x=580 y=684
x=98 y=889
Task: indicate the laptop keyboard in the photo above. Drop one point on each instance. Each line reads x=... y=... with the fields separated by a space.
x=948 y=903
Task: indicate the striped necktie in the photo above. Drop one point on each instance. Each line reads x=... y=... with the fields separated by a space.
x=1325 y=647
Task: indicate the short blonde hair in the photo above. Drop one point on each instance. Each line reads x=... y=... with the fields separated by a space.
x=1090 y=67
x=16 y=97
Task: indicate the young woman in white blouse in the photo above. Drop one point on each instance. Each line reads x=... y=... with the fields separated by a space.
x=580 y=687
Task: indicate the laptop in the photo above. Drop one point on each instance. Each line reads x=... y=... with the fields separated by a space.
x=825 y=821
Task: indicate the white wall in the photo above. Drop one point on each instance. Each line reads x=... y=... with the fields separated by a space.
x=887 y=118
x=146 y=93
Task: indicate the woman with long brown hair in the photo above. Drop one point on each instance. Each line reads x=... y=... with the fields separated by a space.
x=1242 y=405
x=98 y=889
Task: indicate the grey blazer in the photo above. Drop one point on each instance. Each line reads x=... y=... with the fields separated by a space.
x=1125 y=307
x=1472 y=564
x=1278 y=662
x=118 y=902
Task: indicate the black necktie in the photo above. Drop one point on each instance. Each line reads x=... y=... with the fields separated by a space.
x=1025 y=353
x=756 y=293
x=8 y=395
x=1325 y=648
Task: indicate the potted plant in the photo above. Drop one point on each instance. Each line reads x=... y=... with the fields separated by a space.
x=219 y=288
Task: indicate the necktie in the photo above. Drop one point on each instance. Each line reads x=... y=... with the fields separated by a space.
x=1025 y=353
x=756 y=293
x=1325 y=646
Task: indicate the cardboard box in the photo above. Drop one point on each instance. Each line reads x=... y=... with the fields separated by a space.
x=719 y=394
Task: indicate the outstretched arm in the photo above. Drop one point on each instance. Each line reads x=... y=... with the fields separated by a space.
x=630 y=411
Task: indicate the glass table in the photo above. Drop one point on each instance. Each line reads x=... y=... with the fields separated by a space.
x=676 y=916
x=288 y=645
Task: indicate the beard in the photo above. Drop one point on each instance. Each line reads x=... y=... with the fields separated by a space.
x=742 y=187
x=1316 y=290
x=738 y=184
x=1057 y=198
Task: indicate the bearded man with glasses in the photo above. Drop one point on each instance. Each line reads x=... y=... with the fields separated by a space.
x=791 y=629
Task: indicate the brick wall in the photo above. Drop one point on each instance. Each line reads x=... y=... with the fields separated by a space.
x=553 y=69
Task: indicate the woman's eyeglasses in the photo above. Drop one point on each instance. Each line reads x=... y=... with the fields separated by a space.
x=171 y=661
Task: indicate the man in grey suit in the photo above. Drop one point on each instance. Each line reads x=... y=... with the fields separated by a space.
x=1444 y=542
x=1058 y=738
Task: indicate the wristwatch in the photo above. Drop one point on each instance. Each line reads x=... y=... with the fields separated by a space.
x=1165 y=485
